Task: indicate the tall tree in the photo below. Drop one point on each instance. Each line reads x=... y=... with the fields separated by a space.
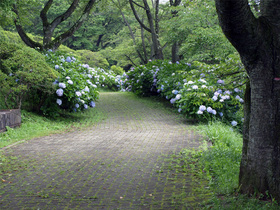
x=49 y=27
x=258 y=43
x=153 y=27
x=175 y=45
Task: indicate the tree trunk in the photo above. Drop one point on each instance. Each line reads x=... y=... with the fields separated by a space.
x=153 y=27
x=174 y=52
x=257 y=41
x=259 y=170
x=48 y=28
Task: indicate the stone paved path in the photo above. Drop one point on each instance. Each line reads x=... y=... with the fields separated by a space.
x=120 y=163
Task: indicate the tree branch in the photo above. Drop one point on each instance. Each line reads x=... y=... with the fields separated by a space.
x=137 y=17
x=61 y=38
x=43 y=14
x=138 y=5
x=237 y=22
x=65 y=15
x=25 y=38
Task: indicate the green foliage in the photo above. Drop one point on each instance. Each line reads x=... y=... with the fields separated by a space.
x=219 y=164
x=117 y=70
x=23 y=69
x=75 y=88
x=222 y=159
x=34 y=125
x=195 y=28
x=197 y=90
x=93 y=59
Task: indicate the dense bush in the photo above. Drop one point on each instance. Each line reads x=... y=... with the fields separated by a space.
x=93 y=59
x=23 y=70
x=75 y=87
x=198 y=91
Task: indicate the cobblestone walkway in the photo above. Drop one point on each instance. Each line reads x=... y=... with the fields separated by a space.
x=120 y=163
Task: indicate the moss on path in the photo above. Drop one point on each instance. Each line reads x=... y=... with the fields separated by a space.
x=124 y=162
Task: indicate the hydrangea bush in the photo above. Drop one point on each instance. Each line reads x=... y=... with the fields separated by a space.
x=197 y=91
x=76 y=87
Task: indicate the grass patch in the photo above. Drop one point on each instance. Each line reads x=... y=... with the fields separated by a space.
x=219 y=165
x=34 y=125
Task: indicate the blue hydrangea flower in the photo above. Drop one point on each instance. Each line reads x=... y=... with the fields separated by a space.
x=220 y=81
x=175 y=92
x=214 y=112
x=70 y=82
x=215 y=98
x=67 y=77
x=199 y=112
x=61 y=85
x=172 y=100
x=179 y=110
x=68 y=59
x=59 y=101
x=221 y=114
x=209 y=109
x=55 y=82
x=234 y=123
x=227 y=92
x=78 y=93
x=195 y=87
x=178 y=97
x=50 y=50
x=92 y=104
x=77 y=106
x=56 y=66
x=236 y=90
x=90 y=76
x=86 y=89
x=85 y=106
x=59 y=92
x=202 y=108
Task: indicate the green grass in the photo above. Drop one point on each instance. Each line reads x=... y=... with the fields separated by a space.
x=34 y=125
x=219 y=165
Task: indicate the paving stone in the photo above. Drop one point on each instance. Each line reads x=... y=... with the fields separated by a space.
x=116 y=164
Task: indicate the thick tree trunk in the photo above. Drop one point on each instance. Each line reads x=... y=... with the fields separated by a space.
x=257 y=41
x=260 y=166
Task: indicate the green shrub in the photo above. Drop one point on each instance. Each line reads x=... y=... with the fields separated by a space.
x=23 y=69
x=117 y=70
x=75 y=88
x=222 y=159
x=93 y=59
x=197 y=91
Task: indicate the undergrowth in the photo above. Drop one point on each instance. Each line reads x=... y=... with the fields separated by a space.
x=219 y=165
